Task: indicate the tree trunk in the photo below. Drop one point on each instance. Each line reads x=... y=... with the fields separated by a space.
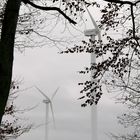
x=9 y=25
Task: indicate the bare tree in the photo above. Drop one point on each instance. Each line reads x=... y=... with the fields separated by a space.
x=9 y=25
x=121 y=50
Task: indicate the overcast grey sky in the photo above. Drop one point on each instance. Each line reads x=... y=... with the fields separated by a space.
x=47 y=69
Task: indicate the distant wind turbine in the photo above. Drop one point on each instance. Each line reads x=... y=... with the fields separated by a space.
x=92 y=33
x=48 y=103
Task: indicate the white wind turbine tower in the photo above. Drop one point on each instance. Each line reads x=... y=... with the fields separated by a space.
x=92 y=33
x=48 y=103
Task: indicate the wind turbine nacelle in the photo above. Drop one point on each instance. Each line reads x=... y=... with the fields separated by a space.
x=46 y=101
x=90 y=32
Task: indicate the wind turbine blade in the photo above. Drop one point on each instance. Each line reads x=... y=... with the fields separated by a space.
x=42 y=93
x=92 y=19
x=54 y=93
x=51 y=106
x=94 y=23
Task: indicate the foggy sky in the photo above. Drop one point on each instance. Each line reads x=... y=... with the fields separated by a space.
x=48 y=70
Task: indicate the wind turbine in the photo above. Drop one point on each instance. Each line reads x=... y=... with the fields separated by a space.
x=48 y=103
x=92 y=33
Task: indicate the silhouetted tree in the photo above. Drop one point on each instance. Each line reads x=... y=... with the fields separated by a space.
x=119 y=52
x=9 y=20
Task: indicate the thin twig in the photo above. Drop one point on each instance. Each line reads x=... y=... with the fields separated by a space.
x=49 y=9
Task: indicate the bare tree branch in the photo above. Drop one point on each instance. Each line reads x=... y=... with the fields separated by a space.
x=133 y=21
x=123 y=2
x=49 y=9
x=120 y=2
